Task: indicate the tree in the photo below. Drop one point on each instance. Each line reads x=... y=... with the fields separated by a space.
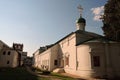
x=111 y=20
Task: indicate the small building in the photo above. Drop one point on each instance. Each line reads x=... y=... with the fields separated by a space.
x=11 y=56
x=28 y=61
x=8 y=56
x=18 y=47
x=22 y=55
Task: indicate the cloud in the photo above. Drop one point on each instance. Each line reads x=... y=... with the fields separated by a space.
x=98 y=11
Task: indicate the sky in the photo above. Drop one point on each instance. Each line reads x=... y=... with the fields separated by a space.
x=37 y=23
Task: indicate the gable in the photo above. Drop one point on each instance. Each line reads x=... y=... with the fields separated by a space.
x=3 y=45
x=84 y=36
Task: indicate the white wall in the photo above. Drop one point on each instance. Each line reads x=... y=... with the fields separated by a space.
x=54 y=56
x=83 y=60
x=85 y=53
x=68 y=48
x=109 y=54
x=36 y=59
x=45 y=60
x=9 y=60
x=115 y=58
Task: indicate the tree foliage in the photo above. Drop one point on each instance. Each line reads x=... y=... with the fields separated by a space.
x=111 y=20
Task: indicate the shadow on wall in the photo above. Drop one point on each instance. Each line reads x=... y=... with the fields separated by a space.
x=60 y=57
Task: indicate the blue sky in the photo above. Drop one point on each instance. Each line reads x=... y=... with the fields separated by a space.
x=37 y=23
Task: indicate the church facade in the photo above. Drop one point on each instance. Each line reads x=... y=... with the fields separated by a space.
x=81 y=53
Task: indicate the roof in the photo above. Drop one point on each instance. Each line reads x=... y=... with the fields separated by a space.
x=81 y=20
x=65 y=37
x=4 y=43
x=58 y=41
x=88 y=36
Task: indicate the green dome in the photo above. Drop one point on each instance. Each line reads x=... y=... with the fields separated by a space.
x=81 y=20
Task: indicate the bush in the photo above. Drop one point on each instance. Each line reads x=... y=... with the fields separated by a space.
x=33 y=68
x=37 y=69
x=44 y=72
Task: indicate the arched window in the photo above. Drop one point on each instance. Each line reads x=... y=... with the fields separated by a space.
x=9 y=53
x=67 y=60
x=4 y=53
x=8 y=62
x=55 y=62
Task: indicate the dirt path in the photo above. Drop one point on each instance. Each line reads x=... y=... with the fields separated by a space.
x=50 y=77
x=45 y=76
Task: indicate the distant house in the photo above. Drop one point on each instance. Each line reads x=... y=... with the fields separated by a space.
x=22 y=55
x=37 y=58
x=10 y=57
x=18 y=47
x=81 y=53
x=28 y=61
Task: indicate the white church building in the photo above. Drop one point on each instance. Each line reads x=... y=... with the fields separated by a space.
x=81 y=53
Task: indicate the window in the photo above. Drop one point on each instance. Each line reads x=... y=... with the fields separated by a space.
x=19 y=47
x=8 y=62
x=96 y=61
x=9 y=53
x=4 y=53
x=55 y=62
x=67 y=60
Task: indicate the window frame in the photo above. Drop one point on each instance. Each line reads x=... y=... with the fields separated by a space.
x=67 y=60
x=8 y=62
x=55 y=62
x=96 y=61
x=9 y=52
x=4 y=52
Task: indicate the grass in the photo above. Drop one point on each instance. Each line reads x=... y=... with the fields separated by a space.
x=17 y=74
x=57 y=75
x=53 y=75
x=21 y=74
